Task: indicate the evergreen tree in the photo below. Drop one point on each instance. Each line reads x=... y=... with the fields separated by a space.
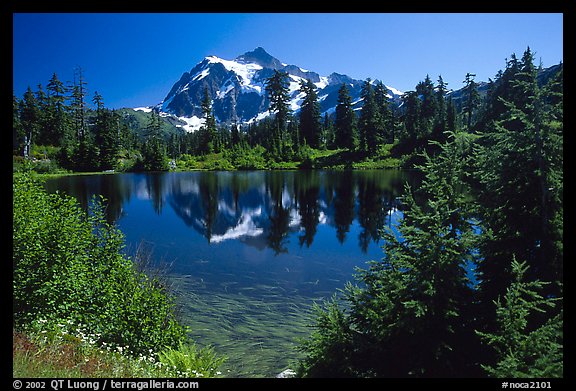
x=520 y=186
x=345 y=122
x=450 y=115
x=277 y=90
x=472 y=97
x=411 y=117
x=370 y=122
x=44 y=120
x=410 y=315
x=57 y=134
x=522 y=349
x=310 y=120
x=440 y=122
x=154 y=149
x=386 y=128
x=428 y=107
x=106 y=134
x=327 y=139
x=78 y=104
x=17 y=129
x=208 y=131
x=234 y=134
x=29 y=120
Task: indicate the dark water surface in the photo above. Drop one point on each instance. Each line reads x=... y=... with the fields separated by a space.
x=249 y=252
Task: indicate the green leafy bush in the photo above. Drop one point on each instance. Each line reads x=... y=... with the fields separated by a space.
x=68 y=265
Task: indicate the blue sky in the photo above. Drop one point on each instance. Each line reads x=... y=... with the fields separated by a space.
x=133 y=60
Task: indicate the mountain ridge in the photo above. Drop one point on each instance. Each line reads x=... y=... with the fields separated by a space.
x=238 y=89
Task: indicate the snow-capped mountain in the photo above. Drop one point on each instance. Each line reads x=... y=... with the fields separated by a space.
x=238 y=92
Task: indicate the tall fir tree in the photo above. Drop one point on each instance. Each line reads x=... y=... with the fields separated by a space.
x=411 y=117
x=370 y=123
x=472 y=98
x=106 y=134
x=208 y=141
x=386 y=126
x=17 y=129
x=520 y=187
x=29 y=120
x=78 y=92
x=346 y=134
x=154 y=148
x=523 y=350
x=57 y=111
x=428 y=107
x=440 y=122
x=310 y=119
x=278 y=95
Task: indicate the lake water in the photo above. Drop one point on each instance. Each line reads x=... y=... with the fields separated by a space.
x=248 y=253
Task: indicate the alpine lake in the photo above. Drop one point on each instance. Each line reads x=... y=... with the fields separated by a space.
x=247 y=253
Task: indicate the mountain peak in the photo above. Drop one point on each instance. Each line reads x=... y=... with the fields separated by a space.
x=260 y=57
x=237 y=89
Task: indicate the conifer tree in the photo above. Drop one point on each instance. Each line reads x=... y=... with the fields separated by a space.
x=43 y=117
x=310 y=120
x=385 y=130
x=370 y=123
x=409 y=315
x=345 y=122
x=277 y=90
x=57 y=111
x=428 y=107
x=106 y=134
x=234 y=135
x=154 y=149
x=29 y=120
x=78 y=104
x=411 y=117
x=17 y=130
x=523 y=350
x=520 y=185
x=208 y=131
x=327 y=139
x=440 y=122
x=472 y=97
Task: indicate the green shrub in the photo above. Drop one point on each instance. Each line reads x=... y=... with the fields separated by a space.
x=68 y=266
x=245 y=158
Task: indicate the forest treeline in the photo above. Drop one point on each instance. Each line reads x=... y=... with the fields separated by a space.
x=65 y=125
x=470 y=284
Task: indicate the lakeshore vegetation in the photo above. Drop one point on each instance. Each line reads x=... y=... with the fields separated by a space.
x=470 y=283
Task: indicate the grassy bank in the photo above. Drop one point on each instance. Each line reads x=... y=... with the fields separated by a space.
x=65 y=355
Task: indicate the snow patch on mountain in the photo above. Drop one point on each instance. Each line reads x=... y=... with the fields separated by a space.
x=144 y=109
x=394 y=90
x=192 y=123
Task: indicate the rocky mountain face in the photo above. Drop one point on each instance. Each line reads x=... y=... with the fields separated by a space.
x=238 y=89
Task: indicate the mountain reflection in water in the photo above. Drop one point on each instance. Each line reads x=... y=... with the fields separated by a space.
x=260 y=208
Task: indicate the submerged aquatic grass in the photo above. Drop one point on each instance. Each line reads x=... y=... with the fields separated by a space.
x=257 y=328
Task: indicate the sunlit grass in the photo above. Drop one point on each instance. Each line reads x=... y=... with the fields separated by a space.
x=69 y=353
